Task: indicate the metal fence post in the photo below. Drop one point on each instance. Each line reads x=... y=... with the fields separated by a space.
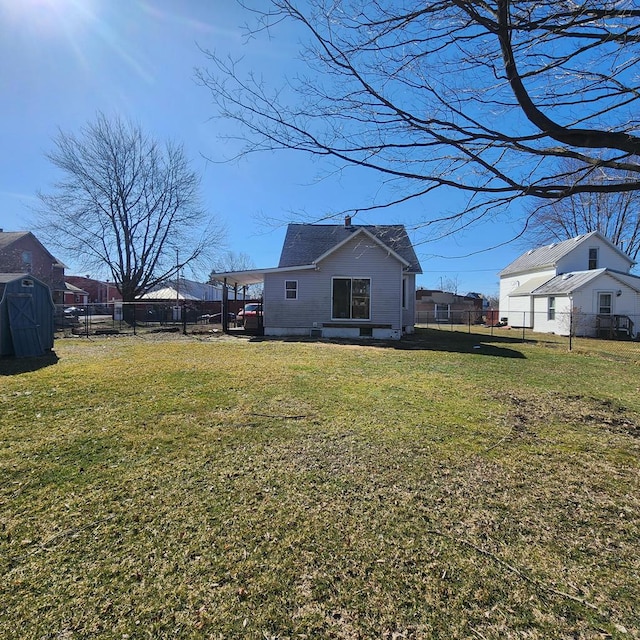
x=570 y=328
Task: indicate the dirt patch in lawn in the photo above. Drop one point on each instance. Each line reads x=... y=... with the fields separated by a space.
x=528 y=412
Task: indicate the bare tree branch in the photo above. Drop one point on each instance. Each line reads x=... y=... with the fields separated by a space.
x=480 y=96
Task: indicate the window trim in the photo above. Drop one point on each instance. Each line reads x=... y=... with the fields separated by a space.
x=438 y=308
x=351 y=279
x=288 y=290
x=592 y=263
x=600 y=295
x=551 y=308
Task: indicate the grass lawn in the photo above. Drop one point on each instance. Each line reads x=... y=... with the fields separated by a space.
x=444 y=487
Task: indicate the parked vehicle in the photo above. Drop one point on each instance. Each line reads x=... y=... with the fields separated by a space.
x=250 y=311
x=74 y=311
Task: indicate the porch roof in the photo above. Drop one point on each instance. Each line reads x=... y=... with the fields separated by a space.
x=254 y=276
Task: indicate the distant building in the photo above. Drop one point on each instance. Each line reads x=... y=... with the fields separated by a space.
x=22 y=252
x=98 y=291
x=184 y=289
x=433 y=305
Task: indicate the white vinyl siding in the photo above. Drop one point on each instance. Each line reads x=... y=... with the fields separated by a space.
x=579 y=259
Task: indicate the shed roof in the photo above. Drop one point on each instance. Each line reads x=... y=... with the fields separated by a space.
x=549 y=255
x=304 y=244
x=10 y=277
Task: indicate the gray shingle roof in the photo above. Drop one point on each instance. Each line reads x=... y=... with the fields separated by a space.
x=7 y=238
x=305 y=243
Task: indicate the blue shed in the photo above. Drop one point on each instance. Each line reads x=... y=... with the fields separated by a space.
x=26 y=316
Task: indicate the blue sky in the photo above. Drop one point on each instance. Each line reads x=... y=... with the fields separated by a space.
x=62 y=61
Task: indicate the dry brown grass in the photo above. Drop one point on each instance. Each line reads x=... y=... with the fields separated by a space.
x=196 y=488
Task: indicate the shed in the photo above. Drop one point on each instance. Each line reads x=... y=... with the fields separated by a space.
x=26 y=316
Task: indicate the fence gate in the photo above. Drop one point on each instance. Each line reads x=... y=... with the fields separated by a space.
x=23 y=326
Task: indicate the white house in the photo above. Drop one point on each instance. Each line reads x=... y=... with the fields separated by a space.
x=339 y=281
x=584 y=283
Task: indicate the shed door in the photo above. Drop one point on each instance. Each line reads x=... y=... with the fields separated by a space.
x=24 y=328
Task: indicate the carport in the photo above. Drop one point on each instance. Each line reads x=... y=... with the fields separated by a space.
x=26 y=316
x=236 y=282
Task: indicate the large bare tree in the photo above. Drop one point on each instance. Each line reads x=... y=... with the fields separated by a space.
x=482 y=96
x=126 y=205
x=615 y=215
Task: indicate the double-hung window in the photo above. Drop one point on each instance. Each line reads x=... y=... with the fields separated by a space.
x=442 y=312
x=351 y=298
x=605 y=304
x=593 y=258
x=551 y=308
x=291 y=289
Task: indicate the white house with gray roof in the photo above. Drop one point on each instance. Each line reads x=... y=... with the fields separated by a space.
x=585 y=281
x=339 y=281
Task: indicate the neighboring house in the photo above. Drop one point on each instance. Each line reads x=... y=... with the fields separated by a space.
x=441 y=306
x=74 y=295
x=22 y=252
x=339 y=281
x=585 y=281
x=97 y=291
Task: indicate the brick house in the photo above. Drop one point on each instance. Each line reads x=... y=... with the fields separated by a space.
x=22 y=252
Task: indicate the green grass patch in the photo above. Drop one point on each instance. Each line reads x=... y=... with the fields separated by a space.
x=443 y=487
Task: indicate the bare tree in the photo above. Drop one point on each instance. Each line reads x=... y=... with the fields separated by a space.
x=125 y=205
x=614 y=215
x=480 y=96
x=231 y=261
x=450 y=284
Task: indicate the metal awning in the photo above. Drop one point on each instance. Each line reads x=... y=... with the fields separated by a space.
x=254 y=276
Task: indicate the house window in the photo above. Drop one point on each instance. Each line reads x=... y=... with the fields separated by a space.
x=442 y=312
x=351 y=298
x=404 y=293
x=604 y=304
x=291 y=289
x=27 y=258
x=551 y=308
x=593 y=258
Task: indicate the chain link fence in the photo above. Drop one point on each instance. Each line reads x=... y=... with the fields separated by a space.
x=116 y=318
x=604 y=333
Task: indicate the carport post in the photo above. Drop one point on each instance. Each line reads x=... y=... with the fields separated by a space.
x=225 y=307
